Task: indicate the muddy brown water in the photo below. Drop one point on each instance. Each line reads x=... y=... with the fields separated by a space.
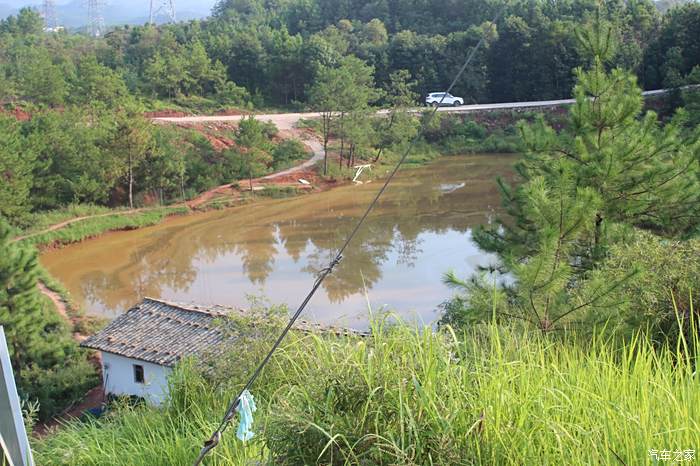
x=273 y=248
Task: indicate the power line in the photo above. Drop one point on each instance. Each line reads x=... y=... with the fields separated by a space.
x=96 y=20
x=231 y=411
x=158 y=6
x=48 y=11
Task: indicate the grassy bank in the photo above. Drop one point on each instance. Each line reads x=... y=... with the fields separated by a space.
x=39 y=221
x=408 y=396
x=89 y=227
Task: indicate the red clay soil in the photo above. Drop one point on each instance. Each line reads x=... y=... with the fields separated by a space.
x=282 y=180
x=18 y=113
x=212 y=132
x=219 y=143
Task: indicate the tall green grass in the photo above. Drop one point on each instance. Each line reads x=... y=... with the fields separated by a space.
x=90 y=227
x=39 y=221
x=416 y=396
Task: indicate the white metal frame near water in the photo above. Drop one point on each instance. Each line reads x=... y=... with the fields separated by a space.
x=13 y=436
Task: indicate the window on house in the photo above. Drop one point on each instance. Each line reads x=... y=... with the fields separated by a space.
x=138 y=373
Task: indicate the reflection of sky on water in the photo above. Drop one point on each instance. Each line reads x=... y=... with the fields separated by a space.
x=273 y=248
x=414 y=288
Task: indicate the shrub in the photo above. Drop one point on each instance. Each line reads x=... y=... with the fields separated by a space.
x=664 y=291
x=55 y=388
x=287 y=152
x=48 y=365
x=470 y=129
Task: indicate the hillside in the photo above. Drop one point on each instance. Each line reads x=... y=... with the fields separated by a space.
x=73 y=14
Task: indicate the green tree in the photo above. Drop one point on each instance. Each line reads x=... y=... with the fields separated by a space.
x=164 y=169
x=46 y=362
x=27 y=22
x=360 y=134
x=16 y=164
x=675 y=51
x=40 y=79
x=323 y=97
x=255 y=147
x=98 y=83
x=582 y=190
x=72 y=164
x=132 y=141
x=355 y=93
x=338 y=91
x=401 y=125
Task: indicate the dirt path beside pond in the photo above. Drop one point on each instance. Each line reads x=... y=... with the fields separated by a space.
x=94 y=397
x=58 y=226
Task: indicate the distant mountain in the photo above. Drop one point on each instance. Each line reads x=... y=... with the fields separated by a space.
x=7 y=10
x=73 y=14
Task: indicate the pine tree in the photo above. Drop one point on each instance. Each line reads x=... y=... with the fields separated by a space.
x=645 y=175
x=584 y=189
x=17 y=160
x=45 y=359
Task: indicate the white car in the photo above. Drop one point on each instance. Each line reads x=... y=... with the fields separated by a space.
x=434 y=99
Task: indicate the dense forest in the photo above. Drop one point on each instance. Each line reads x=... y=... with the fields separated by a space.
x=87 y=142
x=264 y=53
x=73 y=130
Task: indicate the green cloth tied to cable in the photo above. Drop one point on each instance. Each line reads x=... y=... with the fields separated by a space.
x=246 y=408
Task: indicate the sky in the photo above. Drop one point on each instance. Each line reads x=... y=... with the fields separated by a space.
x=73 y=13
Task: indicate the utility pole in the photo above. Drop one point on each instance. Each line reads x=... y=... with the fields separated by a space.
x=48 y=11
x=96 y=20
x=167 y=7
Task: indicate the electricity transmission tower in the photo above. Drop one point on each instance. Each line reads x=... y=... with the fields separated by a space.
x=48 y=11
x=96 y=20
x=165 y=6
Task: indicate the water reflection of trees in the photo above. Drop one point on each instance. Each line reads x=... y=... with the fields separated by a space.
x=318 y=224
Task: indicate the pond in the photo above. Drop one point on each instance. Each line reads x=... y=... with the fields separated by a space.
x=274 y=248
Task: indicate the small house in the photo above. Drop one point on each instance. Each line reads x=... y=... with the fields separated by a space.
x=140 y=347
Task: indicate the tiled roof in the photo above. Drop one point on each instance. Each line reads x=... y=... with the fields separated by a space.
x=162 y=332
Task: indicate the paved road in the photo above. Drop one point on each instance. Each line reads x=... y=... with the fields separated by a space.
x=287 y=121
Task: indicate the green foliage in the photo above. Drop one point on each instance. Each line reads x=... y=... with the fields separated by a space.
x=47 y=364
x=41 y=80
x=581 y=191
x=662 y=296
x=131 y=143
x=344 y=91
x=252 y=136
x=90 y=227
x=287 y=152
x=412 y=396
x=479 y=299
x=273 y=53
x=95 y=83
x=672 y=55
x=691 y=98
x=16 y=160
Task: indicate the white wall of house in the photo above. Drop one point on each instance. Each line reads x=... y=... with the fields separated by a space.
x=118 y=378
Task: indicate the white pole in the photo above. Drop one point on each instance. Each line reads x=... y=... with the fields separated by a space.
x=12 y=430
